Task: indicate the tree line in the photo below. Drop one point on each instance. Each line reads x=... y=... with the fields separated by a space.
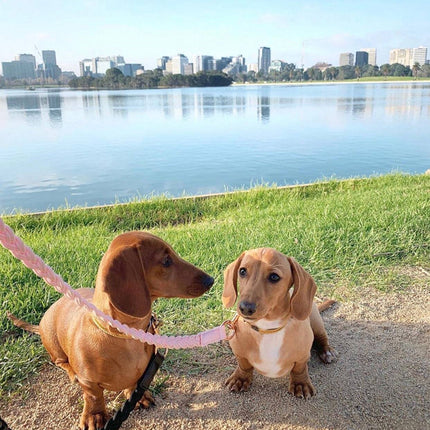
x=115 y=79
x=322 y=72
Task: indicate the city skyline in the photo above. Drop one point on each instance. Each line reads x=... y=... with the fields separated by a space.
x=142 y=33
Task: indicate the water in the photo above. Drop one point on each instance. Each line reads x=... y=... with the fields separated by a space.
x=63 y=147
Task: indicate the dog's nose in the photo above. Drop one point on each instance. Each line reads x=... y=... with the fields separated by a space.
x=247 y=308
x=207 y=281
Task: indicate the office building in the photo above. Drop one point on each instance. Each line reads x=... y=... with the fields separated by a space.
x=169 y=67
x=401 y=56
x=235 y=66
x=346 y=59
x=264 y=60
x=28 y=58
x=51 y=70
x=161 y=62
x=129 y=69
x=178 y=64
x=49 y=58
x=103 y=64
x=18 y=70
x=419 y=55
x=99 y=65
x=188 y=69
x=213 y=64
x=361 y=58
x=253 y=67
x=219 y=64
x=201 y=63
x=277 y=66
x=372 y=55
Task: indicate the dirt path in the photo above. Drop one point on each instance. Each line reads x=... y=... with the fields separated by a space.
x=380 y=381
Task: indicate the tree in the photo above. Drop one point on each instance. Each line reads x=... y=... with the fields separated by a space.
x=415 y=69
x=357 y=72
x=385 y=69
x=425 y=71
x=398 y=69
x=346 y=72
x=114 y=78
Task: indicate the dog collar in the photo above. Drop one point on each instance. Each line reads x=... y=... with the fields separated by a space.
x=154 y=323
x=262 y=330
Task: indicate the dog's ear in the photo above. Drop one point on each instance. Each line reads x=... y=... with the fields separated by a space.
x=124 y=282
x=229 y=293
x=303 y=293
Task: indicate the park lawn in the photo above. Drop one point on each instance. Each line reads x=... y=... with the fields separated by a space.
x=348 y=234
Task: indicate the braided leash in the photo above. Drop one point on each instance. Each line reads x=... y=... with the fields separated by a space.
x=25 y=254
x=22 y=252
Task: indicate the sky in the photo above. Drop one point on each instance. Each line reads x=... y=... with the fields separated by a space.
x=299 y=32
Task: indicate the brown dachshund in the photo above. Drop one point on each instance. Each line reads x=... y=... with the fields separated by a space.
x=136 y=269
x=276 y=324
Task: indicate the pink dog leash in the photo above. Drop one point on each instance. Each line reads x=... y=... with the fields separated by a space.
x=26 y=255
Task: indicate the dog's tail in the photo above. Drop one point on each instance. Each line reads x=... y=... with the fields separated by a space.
x=23 y=324
x=325 y=305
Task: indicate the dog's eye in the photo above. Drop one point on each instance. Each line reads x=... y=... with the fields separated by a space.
x=167 y=262
x=273 y=277
x=242 y=272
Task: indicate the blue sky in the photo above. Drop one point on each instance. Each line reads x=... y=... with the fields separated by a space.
x=143 y=31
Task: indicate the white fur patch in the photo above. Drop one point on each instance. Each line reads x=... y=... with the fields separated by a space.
x=270 y=349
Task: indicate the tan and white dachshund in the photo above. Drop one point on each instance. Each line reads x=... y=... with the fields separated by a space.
x=277 y=320
x=136 y=269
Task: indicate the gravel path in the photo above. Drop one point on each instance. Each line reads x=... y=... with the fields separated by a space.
x=380 y=381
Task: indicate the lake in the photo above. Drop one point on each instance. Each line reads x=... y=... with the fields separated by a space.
x=65 y=148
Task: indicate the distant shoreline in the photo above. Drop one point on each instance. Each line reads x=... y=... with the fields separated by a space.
x=346 y=81
x=238 y=84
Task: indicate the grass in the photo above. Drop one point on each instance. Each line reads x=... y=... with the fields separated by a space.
x=347 y=234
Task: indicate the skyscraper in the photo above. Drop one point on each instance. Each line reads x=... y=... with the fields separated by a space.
x=18 y=70
x=178 y=64
x=361 y=58
x=201 y=63
x=419 y=55
x=264 y=60
x=161 y=62
x=50 y=65
x=401 y=56
x=372 y=55
x=28 y=58
x=346 y=59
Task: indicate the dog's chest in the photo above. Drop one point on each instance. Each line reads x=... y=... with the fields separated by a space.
x=271 y=355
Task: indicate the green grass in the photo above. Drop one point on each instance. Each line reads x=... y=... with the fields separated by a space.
x=347 y=234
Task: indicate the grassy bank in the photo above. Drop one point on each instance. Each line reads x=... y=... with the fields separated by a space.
x=347 y=234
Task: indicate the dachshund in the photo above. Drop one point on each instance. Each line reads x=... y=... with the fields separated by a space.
x=276 y=324
x=137 y=268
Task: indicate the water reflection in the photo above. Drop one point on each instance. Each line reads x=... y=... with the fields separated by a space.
x=360 y=100
x=118 y=144
x=34 y=105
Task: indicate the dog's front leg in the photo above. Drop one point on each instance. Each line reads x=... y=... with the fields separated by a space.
x=241 y=378
x=300 y=382
x=94 y=415
x=145 y=402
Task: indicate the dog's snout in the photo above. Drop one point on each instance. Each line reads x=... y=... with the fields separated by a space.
x=247 y=308
x=207 y=281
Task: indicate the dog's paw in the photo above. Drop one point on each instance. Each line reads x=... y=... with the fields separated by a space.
x=239 y=380
x=146 y=401
x=328 y=355
x=303 y=390
x=93 y=421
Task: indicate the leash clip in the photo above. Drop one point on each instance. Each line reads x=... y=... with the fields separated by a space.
x=230 y=326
